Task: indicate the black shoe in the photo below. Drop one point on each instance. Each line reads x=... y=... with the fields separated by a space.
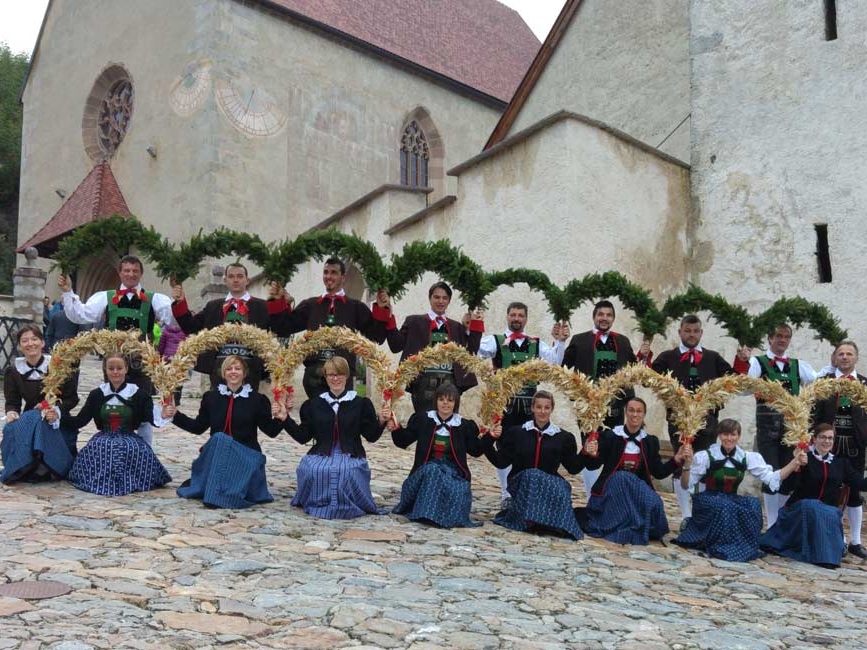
x=684 y=523
x=858 y=551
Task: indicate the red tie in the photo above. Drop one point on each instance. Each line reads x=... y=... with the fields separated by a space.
x=140 y=294
x=538 y=447
x=239 y=305
x=516 y=336
x=692 y=355
x=782 y=360
x=436 y=323
x=332 y=297
x=850 y=377
x=227 y=425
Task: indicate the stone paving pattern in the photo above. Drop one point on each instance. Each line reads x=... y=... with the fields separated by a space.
x=150 y=570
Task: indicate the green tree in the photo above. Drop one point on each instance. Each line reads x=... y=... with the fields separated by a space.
x=13 y=67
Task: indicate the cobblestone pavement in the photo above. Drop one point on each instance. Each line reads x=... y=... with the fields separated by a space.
x=151 y=570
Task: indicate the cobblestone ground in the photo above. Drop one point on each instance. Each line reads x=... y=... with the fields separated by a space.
x=155 y=571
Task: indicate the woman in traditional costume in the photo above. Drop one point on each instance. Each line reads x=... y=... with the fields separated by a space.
x=34 y=447
x=230 y=469
x=541 y=498
x=724 y=524
x=334 y=477
x=809 y=527
x=116 y=460
x=623 y=507
x=437 y=489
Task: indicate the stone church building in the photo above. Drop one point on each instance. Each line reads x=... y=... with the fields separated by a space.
x=676 y=141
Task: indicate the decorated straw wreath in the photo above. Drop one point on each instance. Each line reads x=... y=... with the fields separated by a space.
x=66 y=355
x=283 y=364
x=264 y=344
x=590 y=403
x=439 y=354
x=670 y=392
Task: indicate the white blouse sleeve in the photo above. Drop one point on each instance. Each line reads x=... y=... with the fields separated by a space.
x=757 y=466
x=700 y=463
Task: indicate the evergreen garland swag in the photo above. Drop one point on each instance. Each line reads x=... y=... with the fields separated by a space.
x=280 y=260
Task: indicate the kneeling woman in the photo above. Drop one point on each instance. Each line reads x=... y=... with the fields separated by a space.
x=34 y=448
x=810 y=526
x=334 y=477
x=230 y=469
x=623 y=506
x=438 y=487
x=116 y=460
x=541 y=498
x=724 y=524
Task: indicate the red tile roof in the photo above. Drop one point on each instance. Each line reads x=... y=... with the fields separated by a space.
x=480 y=43
x=96 y=197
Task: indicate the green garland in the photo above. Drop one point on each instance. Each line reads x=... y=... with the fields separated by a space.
x=735 y=319
x=280 y=261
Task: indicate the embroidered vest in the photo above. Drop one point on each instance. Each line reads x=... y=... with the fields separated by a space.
x=129 y=314
x=790 y=380
x=604 y=358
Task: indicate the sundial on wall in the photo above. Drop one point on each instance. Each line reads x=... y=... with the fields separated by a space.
x=248 y=108
x=190 y=91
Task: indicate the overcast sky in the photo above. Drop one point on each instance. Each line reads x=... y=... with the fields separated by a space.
x=20 y=19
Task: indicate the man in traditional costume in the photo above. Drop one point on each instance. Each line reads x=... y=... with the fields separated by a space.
x=692 y=366
x=598 y=353
x=850 y=427
x=791 y=373
x=513 y=348
x=423 y=330
x=237 y=307
x=332 y=308
x=129 y=307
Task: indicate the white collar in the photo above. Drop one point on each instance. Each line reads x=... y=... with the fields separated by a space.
x=126 y=392
x=551 y=430
x=325 y=294
x=620 y=430
x=683 y=349
x=126 y=289
x=245 y=297
x=715 y=451
x=432 y=316
x=826 y=459
x=245 y=391
x=840 y=373
x=334 y=402
x=598 y=331
x=42 y=369
x=453 y=421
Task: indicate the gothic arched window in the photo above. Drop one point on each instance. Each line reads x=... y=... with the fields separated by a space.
x=414 y=156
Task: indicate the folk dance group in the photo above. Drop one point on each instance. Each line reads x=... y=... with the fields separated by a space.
x=803 y=490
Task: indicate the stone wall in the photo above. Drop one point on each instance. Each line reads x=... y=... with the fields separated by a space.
x=778 y=136
x=257 y=123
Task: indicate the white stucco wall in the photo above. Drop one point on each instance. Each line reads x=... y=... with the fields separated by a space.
x=624 y=63
x=570 y=200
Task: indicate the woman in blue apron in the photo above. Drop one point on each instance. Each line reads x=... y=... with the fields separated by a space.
x=230 y=469
x=34 y=447
x=334 y=477
x=116 y=460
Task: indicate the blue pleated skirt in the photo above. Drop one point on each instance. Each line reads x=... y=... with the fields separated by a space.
x=629 y=511
x=334 y=487
x=437 y=492
x=807 y=531
x=725 y=526
x=116 y=463
x=32 y=450
x=539 y=500
x=227 y=474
